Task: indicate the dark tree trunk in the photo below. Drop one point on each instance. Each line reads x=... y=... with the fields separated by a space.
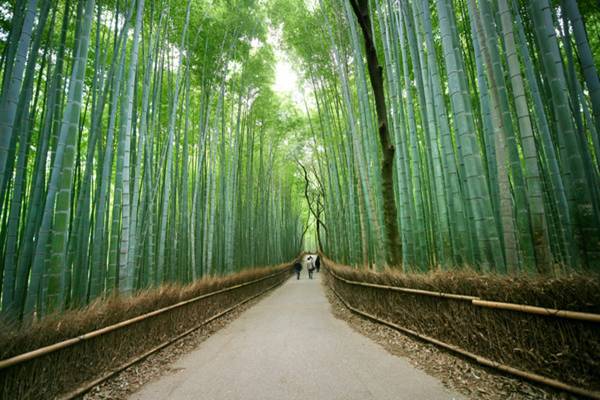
x=316 y=214
x=392 y=237
x=319 y=223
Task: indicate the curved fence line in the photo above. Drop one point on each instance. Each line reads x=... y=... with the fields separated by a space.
x=70 y=342
x=476 y=301
x=86 y=336
x=479 y=330
x=76 y=365
x=405 y=290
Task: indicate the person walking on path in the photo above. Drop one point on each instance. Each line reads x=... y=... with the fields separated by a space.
x=310 y=265
x=318 y=263
x=298 y=268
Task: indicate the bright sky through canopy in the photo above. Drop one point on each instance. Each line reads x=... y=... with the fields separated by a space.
x=287 y=82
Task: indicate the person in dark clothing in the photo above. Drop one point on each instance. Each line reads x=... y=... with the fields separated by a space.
x=298 y=268
x=318 y=263
x=310 y=265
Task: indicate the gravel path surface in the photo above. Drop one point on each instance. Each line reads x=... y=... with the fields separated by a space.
x=290 y=346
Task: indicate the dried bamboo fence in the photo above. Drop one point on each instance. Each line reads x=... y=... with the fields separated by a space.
x=550 y=346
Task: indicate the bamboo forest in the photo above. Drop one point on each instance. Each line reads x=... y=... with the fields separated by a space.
x=143 y=142
x=427 y=167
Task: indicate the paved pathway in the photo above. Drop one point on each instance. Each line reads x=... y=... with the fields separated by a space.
x=290 y=346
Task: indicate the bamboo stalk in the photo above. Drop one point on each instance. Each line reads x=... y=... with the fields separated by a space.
x=69 y=342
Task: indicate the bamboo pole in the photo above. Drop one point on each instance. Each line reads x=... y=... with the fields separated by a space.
x=548 y=312
x=69 y=342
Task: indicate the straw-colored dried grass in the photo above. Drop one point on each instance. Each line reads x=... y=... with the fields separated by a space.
x=567 y=350
x=66 y=369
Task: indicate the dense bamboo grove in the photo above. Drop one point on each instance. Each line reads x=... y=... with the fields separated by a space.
x=139 y=145
x=141 y=142
x=493 y=107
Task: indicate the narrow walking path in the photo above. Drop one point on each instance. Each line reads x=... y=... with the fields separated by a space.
x=290 y=346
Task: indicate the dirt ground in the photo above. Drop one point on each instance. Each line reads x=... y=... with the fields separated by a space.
x=467 y=378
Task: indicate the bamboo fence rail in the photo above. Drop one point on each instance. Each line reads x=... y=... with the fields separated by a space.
x=476 y=301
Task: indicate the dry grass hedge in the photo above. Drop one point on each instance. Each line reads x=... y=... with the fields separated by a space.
x=567 y=350
x=59 y=372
